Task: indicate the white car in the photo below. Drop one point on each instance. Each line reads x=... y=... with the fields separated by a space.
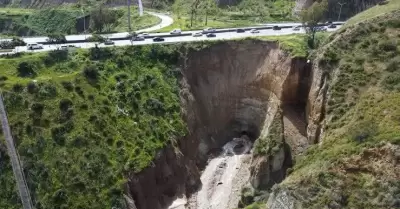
x=297 y=28
x=176 y=31
x=198 y=34
x=143 y=34
x=254 y=31
x=33 y=46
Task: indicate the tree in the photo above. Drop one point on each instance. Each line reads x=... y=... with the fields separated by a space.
x=179 y=6
x=103 y=17
x=208 y=7
x=193 y=10
x=312 y=16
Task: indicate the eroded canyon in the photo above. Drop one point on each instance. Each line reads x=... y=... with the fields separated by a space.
x=230 y=90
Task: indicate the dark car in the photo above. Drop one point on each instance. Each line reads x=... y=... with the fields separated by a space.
x=109 y=42
x=240 y=30
x=158 y=39
x=138 y=38
x=210 y=35
x=208 y=30
x=331 y=26
x=276 y=27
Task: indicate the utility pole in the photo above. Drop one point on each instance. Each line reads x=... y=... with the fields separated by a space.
x=140 y=7
x=84 y=22
x=14 y=159
x=129 y=16
x=340 y=11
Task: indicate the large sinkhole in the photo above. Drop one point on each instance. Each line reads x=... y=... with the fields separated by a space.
x=231 y=89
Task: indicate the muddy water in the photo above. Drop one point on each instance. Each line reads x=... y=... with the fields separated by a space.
x=222 y=179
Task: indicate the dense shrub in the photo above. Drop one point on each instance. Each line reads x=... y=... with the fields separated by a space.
x=32 y=87
x=364 y=131
x=56 y=38
x=393 y=65
x=37 y=108
x=18 y=87
x=79 y=91
x=26 y=69
x=55 y=56
x=387 y=45
x=91 y=73
x=65 y=104
x=96 y=38
x=392 y=81
x=12 y=44
x=155 y=107
x=67 y=85
x=47 y=91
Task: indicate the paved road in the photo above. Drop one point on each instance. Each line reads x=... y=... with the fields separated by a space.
x=165 y=21
x=219 y=36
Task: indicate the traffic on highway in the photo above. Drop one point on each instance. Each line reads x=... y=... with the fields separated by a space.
x=37 y=44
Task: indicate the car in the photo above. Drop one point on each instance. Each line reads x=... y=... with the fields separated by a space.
x=208 y=30
x=33 y=46
x=198 y=34
x=158 y=39
x=276 y=27
x=138 y=38
x=64 y=47
x=143 y=34
x=210 y=35
x=321 y=29
x=176 y=31
x=240 y=30
x=109 y=42
x=332 y=26
x=297 y=28
x=254 y=31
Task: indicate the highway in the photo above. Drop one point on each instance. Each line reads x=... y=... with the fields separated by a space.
x=186 y=38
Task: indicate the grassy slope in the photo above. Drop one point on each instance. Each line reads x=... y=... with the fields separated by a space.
x=362 y=113
x=374 y=11
x=42 y=22
x=137 y=22
x=236 y=16
x=78 y=137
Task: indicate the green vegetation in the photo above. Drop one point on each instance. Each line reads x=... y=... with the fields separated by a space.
x=23 y=22
x=84 y=120
x=273 y=141
x=374 y=12
x=137 y=22
x=256 y=206
x=361 y=116
x=296 y=44
x=311 y=17
x=247 y=13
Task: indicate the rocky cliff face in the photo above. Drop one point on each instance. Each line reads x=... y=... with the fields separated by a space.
x=229 y=89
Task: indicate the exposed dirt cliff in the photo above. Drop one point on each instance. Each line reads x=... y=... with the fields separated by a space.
x=353 y=116
x=227 y=90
